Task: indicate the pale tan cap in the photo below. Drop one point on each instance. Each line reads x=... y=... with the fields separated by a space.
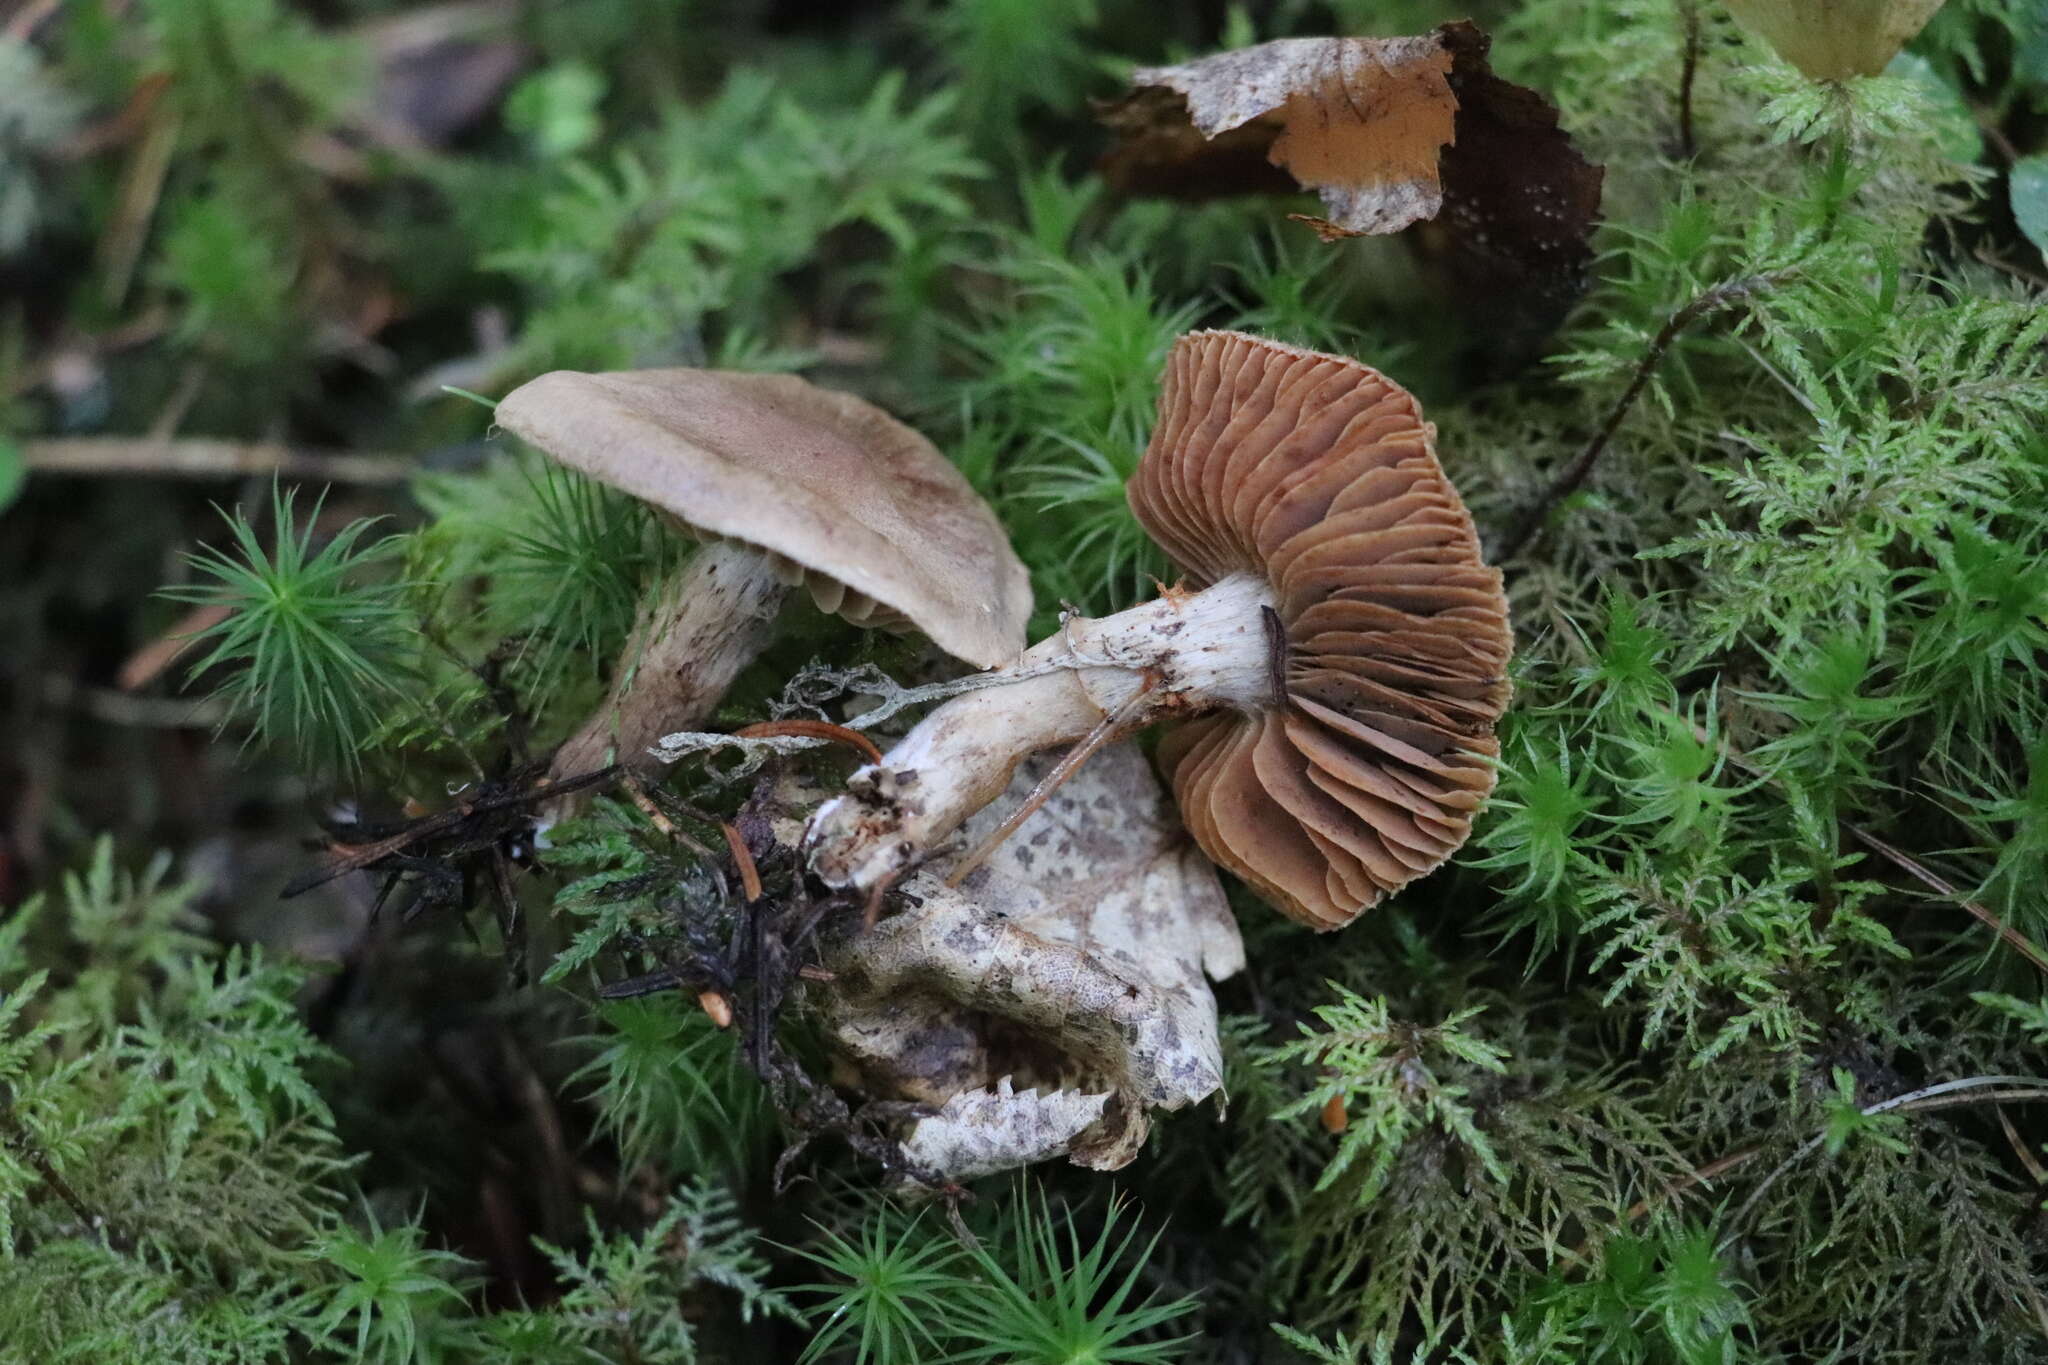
x=884 y=530
x=1320 y=474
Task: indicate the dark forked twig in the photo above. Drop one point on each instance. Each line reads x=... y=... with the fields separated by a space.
x=15 y=1135
x=1689 y=29
x=1724 y=295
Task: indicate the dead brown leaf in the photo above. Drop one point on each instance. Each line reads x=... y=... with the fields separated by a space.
x=1391 y=133
x=1362 y=121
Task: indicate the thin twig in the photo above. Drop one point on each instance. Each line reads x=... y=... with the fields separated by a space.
x=120 y=708
x=1721 y=296
x=15 y=1135
x=141 y=190
x=872 y=910
x=142 y=667
x=511 y=923
x=1902 y=860
x=1712 y=1171
x=163 y=428
x=1689 y=26
x=656 y=816
x=196 y=458
x=2021 y=1150
x=1985 y=254
x=2019 y=942
x=743 y=859
x=637 y=794
x=1940 y=1096
x=1106 y=729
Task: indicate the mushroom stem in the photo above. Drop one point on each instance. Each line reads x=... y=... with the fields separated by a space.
x=708 y=623
x=1179 y=654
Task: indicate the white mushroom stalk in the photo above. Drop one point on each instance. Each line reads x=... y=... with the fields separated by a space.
x=1179 y=655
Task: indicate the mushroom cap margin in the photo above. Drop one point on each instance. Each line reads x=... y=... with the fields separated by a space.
x=823 y=479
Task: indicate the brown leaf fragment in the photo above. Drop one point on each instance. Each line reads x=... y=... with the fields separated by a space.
x=1362 y=121
x=1392 y=133
x=1520 y=203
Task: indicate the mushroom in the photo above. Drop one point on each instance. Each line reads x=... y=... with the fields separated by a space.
x=1338 y=669
x=785 y=483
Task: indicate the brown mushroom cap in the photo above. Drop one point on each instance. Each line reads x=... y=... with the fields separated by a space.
x=883 y=528
x=1320 y=474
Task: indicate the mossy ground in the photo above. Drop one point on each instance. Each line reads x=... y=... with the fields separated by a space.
x=1722 y=1041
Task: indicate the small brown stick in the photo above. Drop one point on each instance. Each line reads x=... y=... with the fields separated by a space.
x=136 y=202
x=2019 y=942
x=812 y=972
x=1905 y=862
x=136 y=114
x=2019 y=1148
x=1689 y=27
x=120 y=708
x=1704 y=1175
x=1106 y=729
x=199 y=458
x=511 y=923
x=142 y=667
x=639 y=797
x=656 y=816
x=15 y=1134
x=872 y=911
x=743 y=858
x=813 y=729
x=1945 y=1095
x=1724 y=295
x=1913 y=1103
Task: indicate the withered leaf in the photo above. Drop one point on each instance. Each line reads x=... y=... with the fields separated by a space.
x=981 y=1132
x=1362 y=121
x=1392 y=133
x=1059 y=994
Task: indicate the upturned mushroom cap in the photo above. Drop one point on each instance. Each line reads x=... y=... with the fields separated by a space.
x=1320 y=474
x=879 y=525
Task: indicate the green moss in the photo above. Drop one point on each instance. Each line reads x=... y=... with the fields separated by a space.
x=1651 y=1074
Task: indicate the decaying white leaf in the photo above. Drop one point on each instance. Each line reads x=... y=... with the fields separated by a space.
x=981 y=1132
x=1075 y=962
